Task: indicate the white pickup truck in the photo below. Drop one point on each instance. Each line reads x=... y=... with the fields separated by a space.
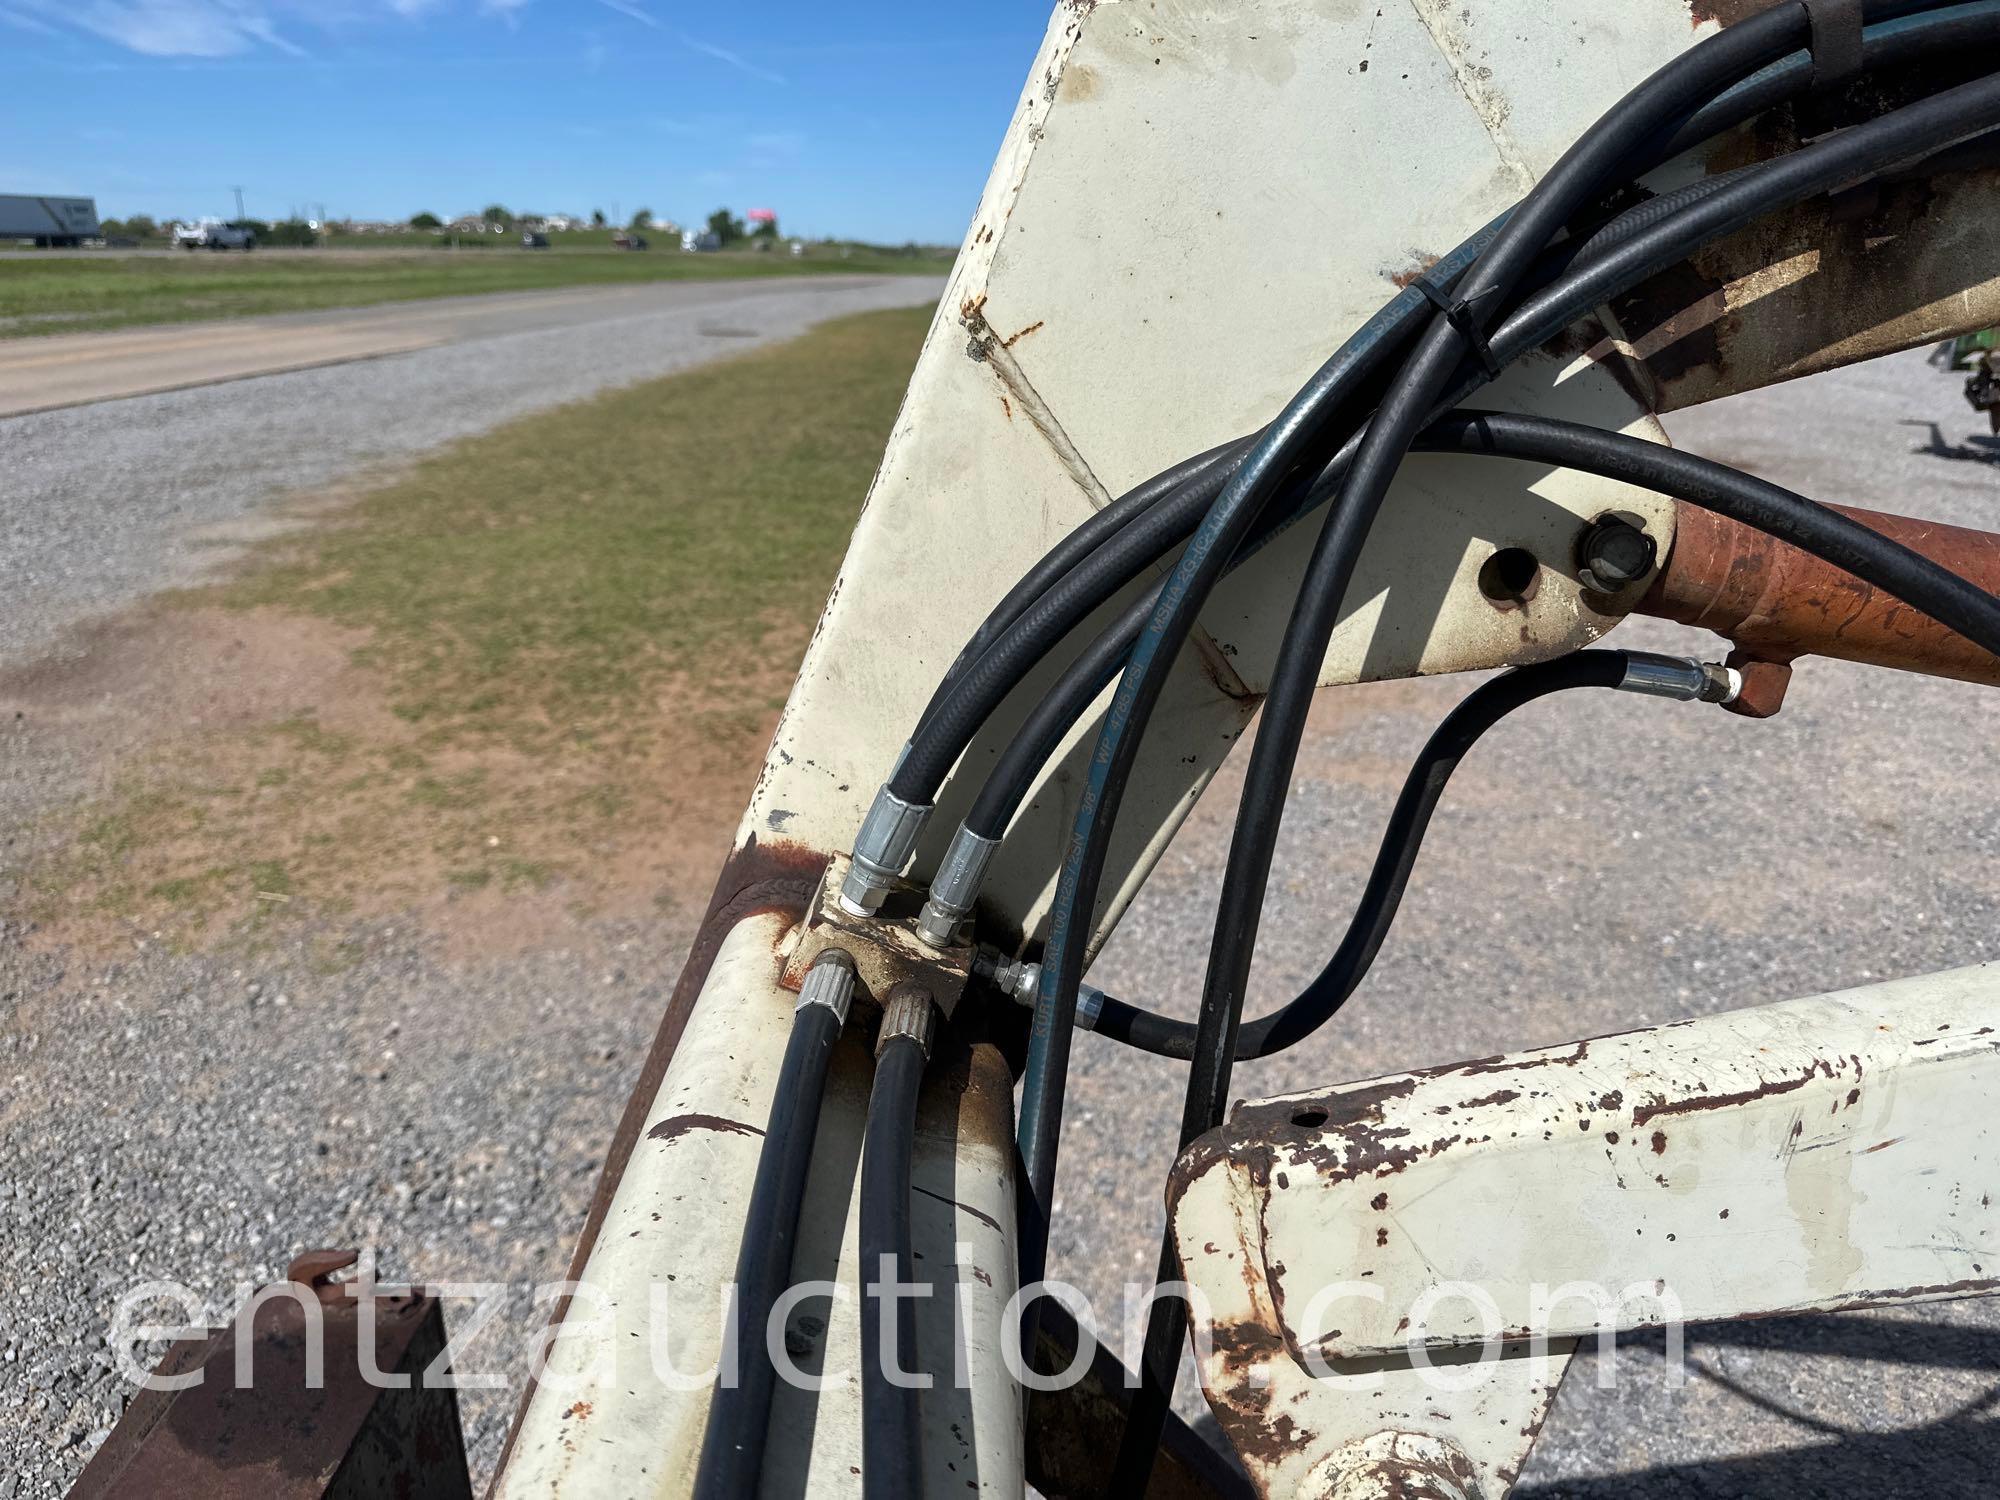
x=213 y=234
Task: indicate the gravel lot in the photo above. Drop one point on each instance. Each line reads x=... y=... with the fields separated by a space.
x=108 y=502
x=1603 y=862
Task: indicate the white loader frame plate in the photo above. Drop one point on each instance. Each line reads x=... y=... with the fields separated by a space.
x=1820 y=1154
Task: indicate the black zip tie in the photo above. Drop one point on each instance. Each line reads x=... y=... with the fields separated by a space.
x=1458 y=312
x=1835 y=44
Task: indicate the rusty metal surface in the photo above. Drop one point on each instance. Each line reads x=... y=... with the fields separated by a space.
x=1395 y=1466
x=1825 y=283
x=1294 y=1430
x=1073 y=1432
x=885 y=947
x=1775 y=603
x=277 y=1437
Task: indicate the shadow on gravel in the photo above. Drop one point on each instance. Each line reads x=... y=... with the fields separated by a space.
x=1978 y=448
x=1958 y=1455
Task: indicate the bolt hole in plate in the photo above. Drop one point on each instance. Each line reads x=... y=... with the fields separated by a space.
x=1510 y=577
x=1309 y=1119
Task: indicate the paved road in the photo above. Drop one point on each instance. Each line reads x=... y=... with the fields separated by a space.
x=108 y=501
x=1604 y=862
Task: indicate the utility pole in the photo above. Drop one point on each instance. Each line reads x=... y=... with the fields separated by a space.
x=239 y=203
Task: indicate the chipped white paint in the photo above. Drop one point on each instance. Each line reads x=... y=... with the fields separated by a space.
x=1818 y=1154
x=1288 y=1425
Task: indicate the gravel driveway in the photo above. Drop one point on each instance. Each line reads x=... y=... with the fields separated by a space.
x=109 y=502
x=1602 y=862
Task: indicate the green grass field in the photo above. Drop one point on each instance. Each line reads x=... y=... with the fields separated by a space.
x=573 y=633
x=44 y=294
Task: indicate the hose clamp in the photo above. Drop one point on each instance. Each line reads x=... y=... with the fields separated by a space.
x=955 y=887
x=829 y=982
x=882 y=851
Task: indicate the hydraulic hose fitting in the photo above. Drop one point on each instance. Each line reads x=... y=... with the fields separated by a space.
x=829 y=982
x=882 y=851
x=1023 y=982
x=1685 y=679
x=910 y=1014
x=955 y=887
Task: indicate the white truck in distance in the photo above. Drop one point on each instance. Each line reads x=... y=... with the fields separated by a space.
x=213 y=234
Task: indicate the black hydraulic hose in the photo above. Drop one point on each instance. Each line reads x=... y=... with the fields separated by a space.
x=1894 y=36
x=961 y=708
x=1052 y=717
x=1007 y=784
x=1077 y=544
x=1885 y=43
x=732 y=1448
x=1668 y=95
x=1958 y=121
x=1012 y=776
x=1921 y=583
x=1481 y=709
x=1918 y=581
x=1915 y=130
x=891 y=1416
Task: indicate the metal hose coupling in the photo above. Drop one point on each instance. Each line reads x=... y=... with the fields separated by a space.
x=955 y=887
x=829 y=982
x=1023 y=982
x=882 y=851
x=910 y=1014
x=1686 y=679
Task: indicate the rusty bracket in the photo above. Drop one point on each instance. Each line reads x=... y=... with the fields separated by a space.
x=885 y=947
x=346 y=1430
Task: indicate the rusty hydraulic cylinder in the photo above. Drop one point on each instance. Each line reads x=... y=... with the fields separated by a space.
x=1775 y=603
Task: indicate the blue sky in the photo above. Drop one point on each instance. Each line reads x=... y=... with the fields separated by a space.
x=876 y=120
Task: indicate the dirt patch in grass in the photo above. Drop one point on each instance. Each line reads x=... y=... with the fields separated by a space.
x=253 y=771
x=528 y=681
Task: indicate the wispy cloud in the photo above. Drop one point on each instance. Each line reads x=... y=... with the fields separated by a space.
x=735 y=59
x=27 y=23
x=168 y=28
x=229 y=28
x=632 y=10
x=636 y=12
